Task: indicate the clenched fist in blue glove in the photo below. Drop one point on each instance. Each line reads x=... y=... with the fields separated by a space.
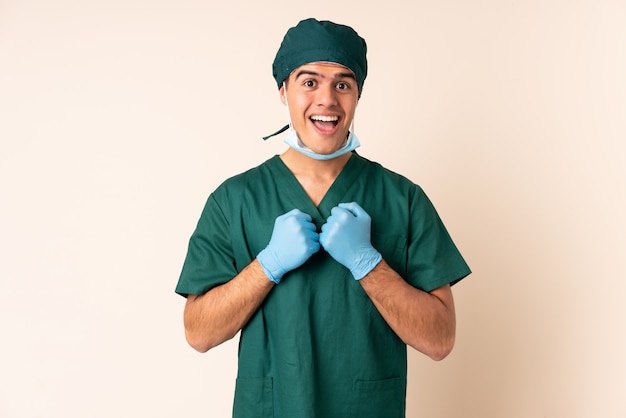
x=346 y=236
x=293 y=241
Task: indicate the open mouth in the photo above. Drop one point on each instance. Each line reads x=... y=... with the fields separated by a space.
x=325 y=123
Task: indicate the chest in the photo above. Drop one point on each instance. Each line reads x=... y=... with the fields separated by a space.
x=315 y=188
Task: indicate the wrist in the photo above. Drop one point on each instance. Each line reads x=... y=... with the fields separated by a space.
x=270 y=265
x=366 y=262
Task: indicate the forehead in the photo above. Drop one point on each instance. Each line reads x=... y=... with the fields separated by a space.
x=323 y=69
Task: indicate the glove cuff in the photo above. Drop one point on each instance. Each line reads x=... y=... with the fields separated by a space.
x=270 y=265
x=366 y=263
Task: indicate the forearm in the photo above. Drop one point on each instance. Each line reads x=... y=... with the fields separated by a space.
x=425 y=321
x=216 y=316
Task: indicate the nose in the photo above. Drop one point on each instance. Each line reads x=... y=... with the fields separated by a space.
x=326 y=95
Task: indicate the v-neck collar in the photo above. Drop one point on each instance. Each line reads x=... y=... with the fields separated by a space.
x=292 y=188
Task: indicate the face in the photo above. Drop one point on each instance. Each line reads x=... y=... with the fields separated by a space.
x=322 y=98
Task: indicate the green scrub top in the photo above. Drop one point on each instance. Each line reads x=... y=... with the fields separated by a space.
x=317 y=346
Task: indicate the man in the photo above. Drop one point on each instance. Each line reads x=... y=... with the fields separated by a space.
x=328 y=263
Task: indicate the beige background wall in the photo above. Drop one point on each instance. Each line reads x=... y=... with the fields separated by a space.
x=118 y=118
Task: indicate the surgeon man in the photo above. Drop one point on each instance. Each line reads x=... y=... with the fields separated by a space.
x=328 y=263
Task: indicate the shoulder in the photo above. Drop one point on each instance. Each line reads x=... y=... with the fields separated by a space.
x=247 y=178
x=233 y=191
x=376 y=173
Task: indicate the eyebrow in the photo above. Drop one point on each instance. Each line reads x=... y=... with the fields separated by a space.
x=335 y=76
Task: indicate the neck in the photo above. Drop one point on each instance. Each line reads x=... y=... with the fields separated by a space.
x=315 y=176
x=301 y=164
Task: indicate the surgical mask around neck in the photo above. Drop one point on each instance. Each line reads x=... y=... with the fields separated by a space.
x=294 y=141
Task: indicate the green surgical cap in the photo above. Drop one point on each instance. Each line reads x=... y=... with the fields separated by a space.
x=321 y=41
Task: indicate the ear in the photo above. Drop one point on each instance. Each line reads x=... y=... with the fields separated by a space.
x=281 y=91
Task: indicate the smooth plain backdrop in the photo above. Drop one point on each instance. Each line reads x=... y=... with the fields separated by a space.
x=118 y=118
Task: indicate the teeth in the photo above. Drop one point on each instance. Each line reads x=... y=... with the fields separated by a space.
x=325 y=118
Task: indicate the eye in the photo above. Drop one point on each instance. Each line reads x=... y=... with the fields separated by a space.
x=309 y=83
x=343 y=86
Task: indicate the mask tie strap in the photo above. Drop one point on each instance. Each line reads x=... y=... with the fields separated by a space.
x=289 y=125
x=280 y=131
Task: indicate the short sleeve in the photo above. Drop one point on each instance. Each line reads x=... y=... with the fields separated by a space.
x=209 y=261
x=433 y=258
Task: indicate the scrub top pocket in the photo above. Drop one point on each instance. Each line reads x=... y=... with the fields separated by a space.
x=380 y=398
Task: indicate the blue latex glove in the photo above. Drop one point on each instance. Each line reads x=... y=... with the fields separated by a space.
x=293 y=241
x=346 y=236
